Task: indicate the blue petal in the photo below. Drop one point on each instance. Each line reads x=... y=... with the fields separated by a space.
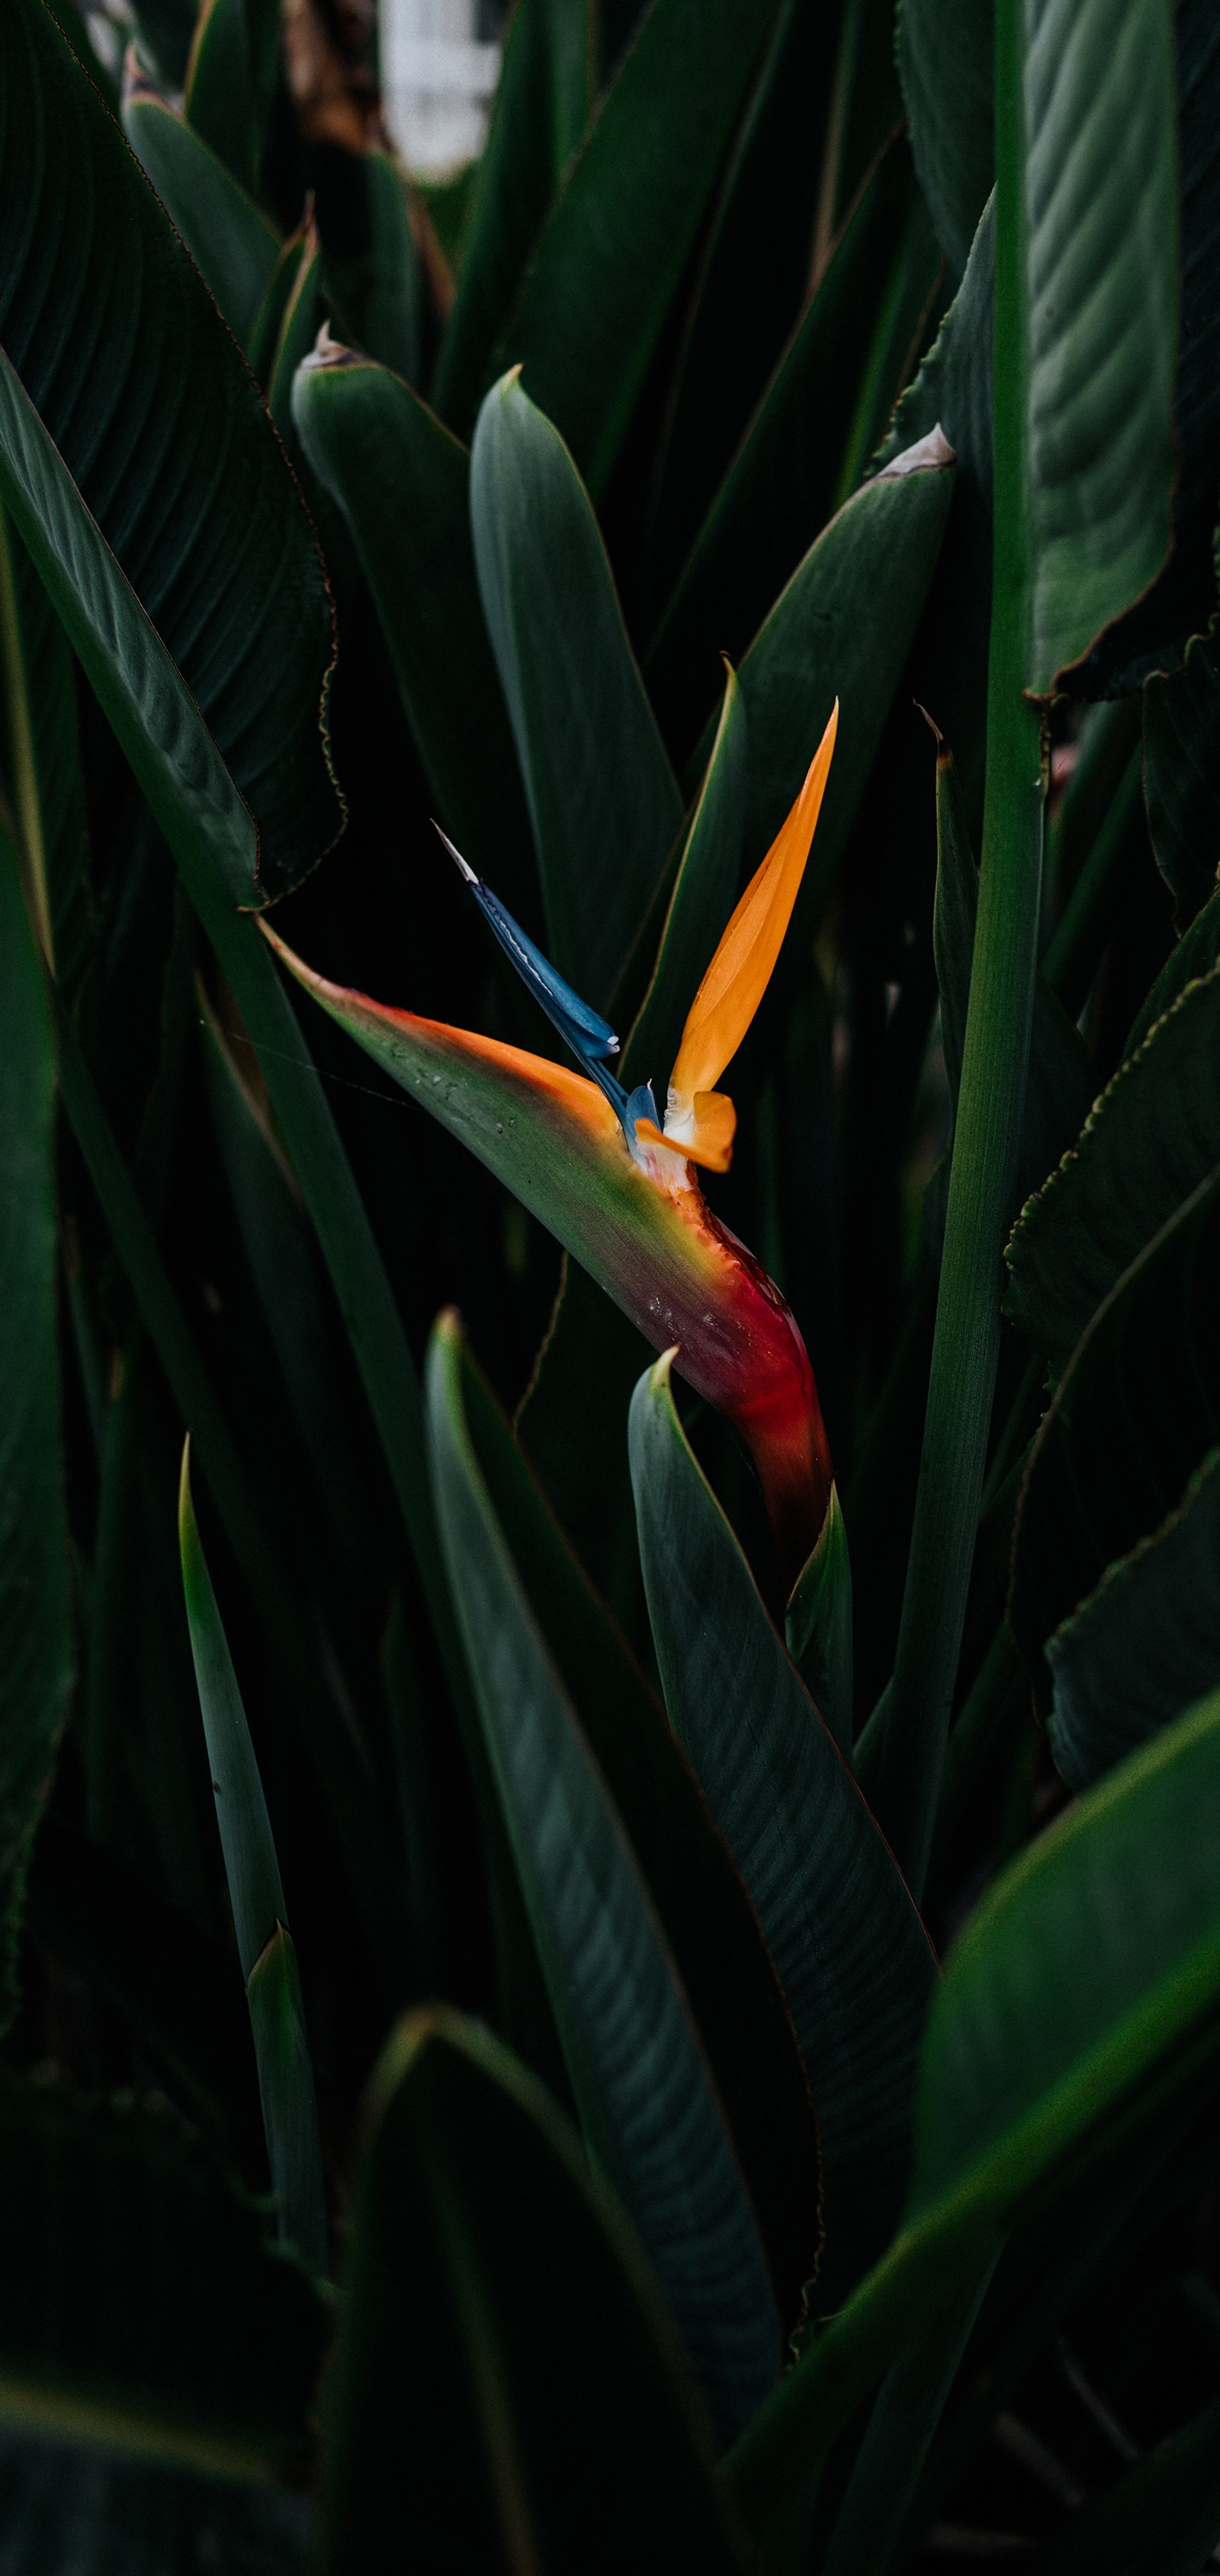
x=590 y=1037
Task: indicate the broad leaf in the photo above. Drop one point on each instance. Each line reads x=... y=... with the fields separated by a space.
x=1090 y=1970
x=692 y=1881
x=460 y=2409
x=1134 y=1415
x=542 y=103
x=641 y=2082
x=402 y=483
x=1146 y=1643
x=207 y=526
x=231 y=242
x=603 y=800
x=945 y=65
x=815 y=646
x=1097 y=303
x=782 y=486
x=1148 y=1142
x=611 y=256
x=851 y=1952
x=36 y=1612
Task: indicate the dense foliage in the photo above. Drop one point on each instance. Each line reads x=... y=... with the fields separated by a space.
x=666 y=2014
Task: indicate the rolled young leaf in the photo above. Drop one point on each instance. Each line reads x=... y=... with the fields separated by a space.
x=852 y=1954
x=264 y=1945
x=641 y=2082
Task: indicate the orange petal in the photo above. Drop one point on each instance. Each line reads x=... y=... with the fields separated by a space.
x=741 y=969
x=706 y=1138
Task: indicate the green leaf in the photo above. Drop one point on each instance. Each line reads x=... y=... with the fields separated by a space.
x=818 y=1627
x=782 y=487
x=402 y=483
x=81 y=2508
x=232 y=244
x=640 y=2080
x=1181 y=770
x=264 y=1945
x=1133 y=1417
x=36 y=1611
x=897 y=2438
x=945 y=65
x=1099 y=295
x=543 y=98
x=851 y=1952
x=1090 y=1970
x=704 y=893
x=374 y=287
x=144 y=2311
x=298 y=331
x=1161 y=2518
x=1149 y=1140
x=480 y=2234
x=815 y=646
x=610 y=259
x=1146 y=1643
x=230 y=81
x=692 y=1880
x=603 y=800
x=165 y=28
x=210 y=536
x=1196 y=953
x=41 y=756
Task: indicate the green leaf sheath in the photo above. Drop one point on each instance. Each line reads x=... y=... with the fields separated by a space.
x=603 y=800
x=852 y=1955
x=1091 y=1968
x=637 y=2070
x=402 y=482
x=480 y=2233
x=945 y=65
x=200 y=511
x=1150 y=1139
x=36 y=1612
x=1145 y=1644
x=268 y=1961
x=232 y=244
x=691 y=1878
x=603 y=275
x=1062 y=567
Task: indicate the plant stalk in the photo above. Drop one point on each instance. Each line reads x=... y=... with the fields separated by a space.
x=907 y=1753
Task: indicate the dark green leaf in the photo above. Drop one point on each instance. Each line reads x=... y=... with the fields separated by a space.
x=1133 y=1417
x=1150 y=1139
x=693 y=1884
x=945 y=66
x=402 y=483
x=374 y=287
x=1197 y=952
x=1099 y=298
x=42 y=757
x=206 y=523
x=507 y=2389
x=897 y=2438
x=852 y=1954
x=165 y=28
x=298 y=331
x=231 y=242
x=1182 y=775
x=783 y=484
x=86 y=2509
x=818 y=1626
x=36 y=1614
x=636 y=2067
x=264 y=1945
x=230 y=81
x=612 y=254
x=183 y=2336
x=1146 y=1643
x=543 y=98
x=705 y=891
x=815 y=646
x=603 y=800
x=1090 y=1968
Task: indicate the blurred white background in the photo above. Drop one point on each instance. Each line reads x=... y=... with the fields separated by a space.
x=439 y=66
